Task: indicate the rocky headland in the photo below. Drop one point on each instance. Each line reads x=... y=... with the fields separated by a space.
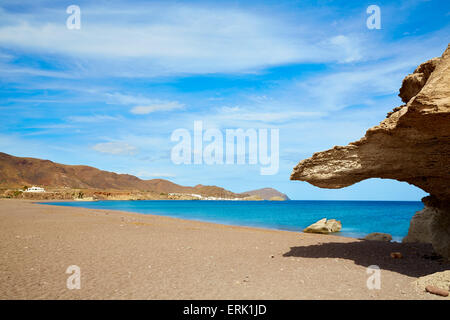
x=412 y=144
x=267 y=194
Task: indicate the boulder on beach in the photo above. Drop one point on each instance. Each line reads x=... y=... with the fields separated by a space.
x=378 y=236
x=324 y=226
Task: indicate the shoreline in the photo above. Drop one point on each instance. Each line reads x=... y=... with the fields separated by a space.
x=204 y=200
x=184 y=219
x=359 y=235
x=127 y=255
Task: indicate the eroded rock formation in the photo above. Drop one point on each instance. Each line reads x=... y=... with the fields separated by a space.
x=412 y=144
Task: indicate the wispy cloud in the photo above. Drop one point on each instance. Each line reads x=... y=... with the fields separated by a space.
x=7 y=69
x=141 y=105
x=157 y=106
x=125 y=99
x=191 y=39
x=92 y=119
x=247 y=114
x=115 y=148
x=349 y=48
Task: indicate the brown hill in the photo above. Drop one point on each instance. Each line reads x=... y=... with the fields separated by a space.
x=268 y=194
x=18 y=172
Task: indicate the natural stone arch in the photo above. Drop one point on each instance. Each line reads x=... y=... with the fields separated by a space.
x=412 y=144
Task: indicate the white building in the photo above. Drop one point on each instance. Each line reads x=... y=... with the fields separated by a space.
x=35 y=189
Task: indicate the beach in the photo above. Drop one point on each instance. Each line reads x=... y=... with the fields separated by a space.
x=124 y=255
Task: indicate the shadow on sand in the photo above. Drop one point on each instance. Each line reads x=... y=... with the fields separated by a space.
x=418 y=259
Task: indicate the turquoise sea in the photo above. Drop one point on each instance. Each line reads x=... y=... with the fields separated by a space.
x=358 y=217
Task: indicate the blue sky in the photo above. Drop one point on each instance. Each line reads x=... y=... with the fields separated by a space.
x=110 y=94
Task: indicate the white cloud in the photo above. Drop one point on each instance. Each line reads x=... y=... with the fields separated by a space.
x=92 y=119
x=244 y=114
x=160 y=39
x=159 y=106
x=126 y=99
x=337 y=90
x=116 y=148
x=142 y=104
x=20 y=71
x=174 y=39
x=345 y=48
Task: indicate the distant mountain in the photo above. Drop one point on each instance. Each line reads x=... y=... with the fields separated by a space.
x=268 y=194
x=18 y=172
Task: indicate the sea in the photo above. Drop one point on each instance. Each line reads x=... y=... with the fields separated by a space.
x=358 y=218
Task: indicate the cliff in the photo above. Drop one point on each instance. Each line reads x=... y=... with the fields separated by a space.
x=412 y=144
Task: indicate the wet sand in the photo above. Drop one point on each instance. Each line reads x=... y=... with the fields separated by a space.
x=125 y=255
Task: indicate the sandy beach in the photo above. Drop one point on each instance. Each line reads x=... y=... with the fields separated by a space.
x=133 y=256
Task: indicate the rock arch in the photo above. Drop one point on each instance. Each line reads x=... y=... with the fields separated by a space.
x=412 y=144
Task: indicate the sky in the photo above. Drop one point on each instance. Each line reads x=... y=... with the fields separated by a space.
x=111 y=93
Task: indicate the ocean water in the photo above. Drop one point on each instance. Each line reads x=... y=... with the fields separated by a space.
x=358 y=217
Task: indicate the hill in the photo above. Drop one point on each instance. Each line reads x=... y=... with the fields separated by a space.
x=16 y=172
x=268 y=194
